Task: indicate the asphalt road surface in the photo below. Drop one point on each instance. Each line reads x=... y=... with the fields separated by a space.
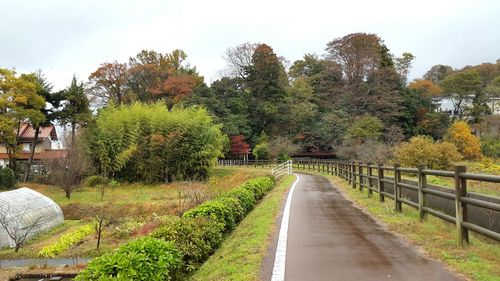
x=330 y=239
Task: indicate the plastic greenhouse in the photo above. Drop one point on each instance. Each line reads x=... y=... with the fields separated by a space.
x=25 y=212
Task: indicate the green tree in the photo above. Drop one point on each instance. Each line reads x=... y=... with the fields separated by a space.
x=261 y=149
x=76 y=111
x=266 y=81
x=462 y=87
x=365 y=128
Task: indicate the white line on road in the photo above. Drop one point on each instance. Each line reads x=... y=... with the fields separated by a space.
x=280 y=258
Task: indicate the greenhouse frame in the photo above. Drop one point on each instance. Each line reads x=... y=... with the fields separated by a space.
x=25 y=212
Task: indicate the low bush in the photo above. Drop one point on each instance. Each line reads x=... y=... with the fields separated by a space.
x=7 y=178
x=246 y=198
x=126 y=228
x=259 y=187
x=425 y=151
x=96 y=180
x=66 y=241
x=490 y=146
x=196 y=238
x=215 y=210
x=142 y=259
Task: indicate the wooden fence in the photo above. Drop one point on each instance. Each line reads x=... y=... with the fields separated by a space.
x=387 y=181
x=374 y=178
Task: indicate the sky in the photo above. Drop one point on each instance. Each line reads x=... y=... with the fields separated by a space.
x=63 y=37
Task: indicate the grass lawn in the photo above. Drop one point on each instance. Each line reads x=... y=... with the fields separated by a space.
x=241 y=254
x=478 y=261
x=136 y=202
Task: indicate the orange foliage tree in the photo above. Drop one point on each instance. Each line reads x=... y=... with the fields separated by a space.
x=468 y=145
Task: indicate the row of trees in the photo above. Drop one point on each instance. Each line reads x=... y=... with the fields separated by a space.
x=356 y=92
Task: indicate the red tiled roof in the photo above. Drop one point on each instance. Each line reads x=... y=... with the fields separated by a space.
x=48 y=154
x=27 y=132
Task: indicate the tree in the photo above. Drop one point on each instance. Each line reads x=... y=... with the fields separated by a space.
x=261 y=149
x=365 y=128
x=69 y=169
x=19 y=102
x=357 y=54
x=108 y=83
x=101 y=216
x=460 y=135
x=239 y=59
x=266 y=79
x=153 y=75
x=302 y=109
x=12 y=228
x=461 y=87
x=50 y=111
x=176 y=87
x=403 y=65
x=75 y=111
x=239 y=147
x=437 y=73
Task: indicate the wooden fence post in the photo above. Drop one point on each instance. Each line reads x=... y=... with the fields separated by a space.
x=397 y=188
x=353 y=176
x=460 y=207
x=361 y=178
x=422 y=197
x=370 y=182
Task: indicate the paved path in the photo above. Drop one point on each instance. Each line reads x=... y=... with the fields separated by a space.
x=330 y=239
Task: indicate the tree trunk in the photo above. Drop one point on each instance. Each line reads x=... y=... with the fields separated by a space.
x=18 y=245
x=98 y=238
x=73 y=132
x=32 y=153
x=68 y=193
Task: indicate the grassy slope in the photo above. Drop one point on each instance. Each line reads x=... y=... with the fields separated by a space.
x=479 y=261
x=240 y=256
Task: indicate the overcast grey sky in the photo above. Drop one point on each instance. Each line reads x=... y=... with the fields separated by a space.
x=64 y=37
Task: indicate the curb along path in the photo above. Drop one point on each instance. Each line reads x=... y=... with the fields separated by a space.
x=324 y=237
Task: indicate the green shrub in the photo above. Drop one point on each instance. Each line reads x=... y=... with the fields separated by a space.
x=7 y=178
x=424 y=151
x=196 y=238
x=232 y=206
x=216 y=210
x=142 y=259
x=246 y=198
x=259 y=186
x=96 y=180
x=66 y=241
x=490 y=146
x=125 y=229
x=237 y=210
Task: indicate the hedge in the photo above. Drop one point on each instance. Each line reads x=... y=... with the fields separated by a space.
x=146 y=258
x=185 y=242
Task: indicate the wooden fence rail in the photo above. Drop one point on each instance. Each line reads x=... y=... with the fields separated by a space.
x=373 y=178
x=376 y=179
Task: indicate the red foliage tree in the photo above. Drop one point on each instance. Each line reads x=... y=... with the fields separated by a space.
x=239 y=146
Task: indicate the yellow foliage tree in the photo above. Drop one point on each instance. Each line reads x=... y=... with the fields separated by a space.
x=468 y=145
x=423 y=150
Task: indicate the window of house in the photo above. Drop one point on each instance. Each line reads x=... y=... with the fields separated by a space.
x=26 y=147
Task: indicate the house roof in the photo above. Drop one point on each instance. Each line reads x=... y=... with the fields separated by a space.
x=48 y=154
x=27 y=132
